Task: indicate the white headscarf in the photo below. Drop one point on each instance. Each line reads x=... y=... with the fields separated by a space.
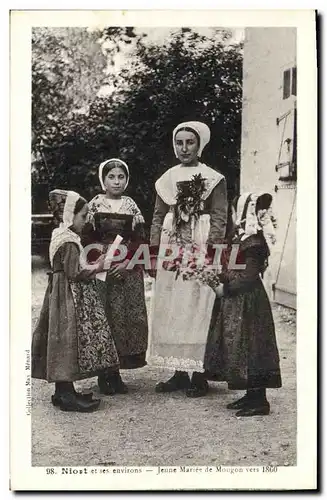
x=202 y=131
x=63 y=234
x=102 y=165
x=247 y=221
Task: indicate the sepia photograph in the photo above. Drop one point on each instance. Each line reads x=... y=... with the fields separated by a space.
x=163 y=251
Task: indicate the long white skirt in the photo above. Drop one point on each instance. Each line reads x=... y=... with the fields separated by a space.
x=180 y=317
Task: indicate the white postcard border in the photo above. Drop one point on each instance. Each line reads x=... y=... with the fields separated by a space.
x=23 y=475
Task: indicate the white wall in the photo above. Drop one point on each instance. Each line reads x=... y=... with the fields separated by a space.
x=267 y=53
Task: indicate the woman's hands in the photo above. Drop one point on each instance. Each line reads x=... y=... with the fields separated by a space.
x=99 y=263
x=219 y=291
x=118 y=271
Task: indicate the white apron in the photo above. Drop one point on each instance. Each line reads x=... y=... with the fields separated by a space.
x=181 y=310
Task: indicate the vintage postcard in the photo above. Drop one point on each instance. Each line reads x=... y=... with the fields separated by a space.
x=163 y=250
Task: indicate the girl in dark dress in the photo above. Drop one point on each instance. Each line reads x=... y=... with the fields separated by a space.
x=72 y=339
x=241 y=347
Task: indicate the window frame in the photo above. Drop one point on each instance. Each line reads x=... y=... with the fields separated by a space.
x=289 y=86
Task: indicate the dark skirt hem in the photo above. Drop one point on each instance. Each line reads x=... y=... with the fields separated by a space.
x=271 y=380
x=73 y=378
x=132 y=361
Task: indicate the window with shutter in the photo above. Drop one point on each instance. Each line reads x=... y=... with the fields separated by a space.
x=287 y=84
x=286 y=160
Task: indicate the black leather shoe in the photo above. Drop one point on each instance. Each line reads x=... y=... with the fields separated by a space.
x=117 y=383
x=178 y=382
x=105 y=386
x=262 y=408
x=86 y=396
x=70 y=402
x=199 y=386
x=239 y=403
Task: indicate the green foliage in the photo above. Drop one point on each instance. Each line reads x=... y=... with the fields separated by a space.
x=189 y=77
x=67 y=71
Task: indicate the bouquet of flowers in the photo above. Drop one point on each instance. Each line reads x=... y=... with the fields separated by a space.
x=192 y=264
x=189 y=199
x=202 y=274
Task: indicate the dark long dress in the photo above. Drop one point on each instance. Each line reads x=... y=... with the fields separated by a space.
x=72 y=339
x=125 y=308
x=241 y=347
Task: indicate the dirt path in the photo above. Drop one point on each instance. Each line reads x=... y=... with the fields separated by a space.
x=145 y=428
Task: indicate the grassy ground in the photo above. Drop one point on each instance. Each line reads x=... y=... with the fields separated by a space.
x=145 y=428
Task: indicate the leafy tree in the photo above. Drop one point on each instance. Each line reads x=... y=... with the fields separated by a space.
x=188 y=77
x=68 y=69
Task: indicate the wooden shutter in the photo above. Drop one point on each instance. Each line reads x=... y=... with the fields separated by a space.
x=287 y=84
